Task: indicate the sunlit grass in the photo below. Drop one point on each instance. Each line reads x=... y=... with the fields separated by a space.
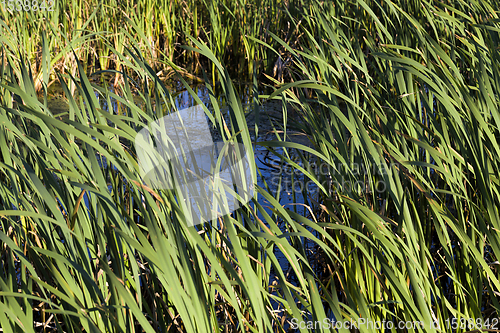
x=155 y=28
x=398 y=98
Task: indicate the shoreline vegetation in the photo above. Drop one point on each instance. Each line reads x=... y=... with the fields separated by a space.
x=97 y=33
x=400 y=95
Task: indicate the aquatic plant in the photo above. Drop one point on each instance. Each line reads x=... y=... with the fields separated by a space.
x=399 y=101
x=155 y=28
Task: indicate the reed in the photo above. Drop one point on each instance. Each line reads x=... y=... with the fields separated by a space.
x=411 y=94
x=156 y=28
x=398 y=98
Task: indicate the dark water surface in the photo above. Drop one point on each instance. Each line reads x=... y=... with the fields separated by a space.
x=271 y=170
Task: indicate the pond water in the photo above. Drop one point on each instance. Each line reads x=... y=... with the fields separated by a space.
x=270 y=169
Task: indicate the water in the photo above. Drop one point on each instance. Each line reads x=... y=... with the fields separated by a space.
x=266 y=162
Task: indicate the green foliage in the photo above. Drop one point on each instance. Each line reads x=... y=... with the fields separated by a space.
x=399 y=98
x=156 y=28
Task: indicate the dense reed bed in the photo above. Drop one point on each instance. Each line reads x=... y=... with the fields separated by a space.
x=155 y=28
x=399 y=101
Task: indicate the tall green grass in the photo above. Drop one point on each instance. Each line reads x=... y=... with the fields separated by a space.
x=156 y=28
x=411 y=93
x=409 y=90
x=85 y=245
